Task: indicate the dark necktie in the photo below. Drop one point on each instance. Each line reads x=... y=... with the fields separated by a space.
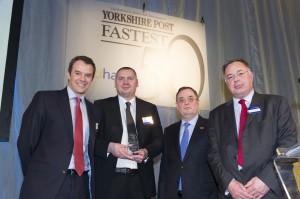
x=78 y=140
x=243 y=118
x=133 y=143
x=183 y=146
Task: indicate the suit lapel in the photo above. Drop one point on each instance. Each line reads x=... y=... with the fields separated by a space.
x=92 y=128
x=255 y=102
x=115 y=107
x=138 y=113
x=229 y=111
x=196 y=134
x=175 y=139
x=64 y=104
x=92 y=124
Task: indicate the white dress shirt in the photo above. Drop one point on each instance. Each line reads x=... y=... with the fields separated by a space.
x=125 y=163
x=238 y=108
x=191 y=127
x=86 y=130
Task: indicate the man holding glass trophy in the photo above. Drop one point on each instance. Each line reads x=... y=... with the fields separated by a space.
x=130 y=137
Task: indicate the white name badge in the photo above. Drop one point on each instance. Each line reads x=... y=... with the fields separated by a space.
x=253 y=110
x=147 y=120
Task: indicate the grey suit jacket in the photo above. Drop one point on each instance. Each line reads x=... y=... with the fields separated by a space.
x=45 y=143
x=197 y=178
x=263 y=132
x=150 y=136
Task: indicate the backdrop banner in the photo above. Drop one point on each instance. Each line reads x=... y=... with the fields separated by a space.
x=166 y=52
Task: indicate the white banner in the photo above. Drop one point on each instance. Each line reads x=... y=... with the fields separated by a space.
x=166 y=52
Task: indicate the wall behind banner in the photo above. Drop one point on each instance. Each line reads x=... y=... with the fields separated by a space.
x=267 y=33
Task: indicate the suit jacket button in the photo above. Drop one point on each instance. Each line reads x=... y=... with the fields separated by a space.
x=181 y=166
x=69 y=152
x=64 y=172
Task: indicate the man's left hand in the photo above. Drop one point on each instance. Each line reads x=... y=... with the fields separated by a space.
x=140 y=155
x=257 y=188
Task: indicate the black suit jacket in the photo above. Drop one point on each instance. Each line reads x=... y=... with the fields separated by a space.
x=198 y=181
x=263 y=133
x=45 y=143
x=150 y=136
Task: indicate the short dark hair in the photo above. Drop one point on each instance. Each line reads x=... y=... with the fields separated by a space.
x=185 y=88
x=126 y=68
x=234 y=60
x=83 y=58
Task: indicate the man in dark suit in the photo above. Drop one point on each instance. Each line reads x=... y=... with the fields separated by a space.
x=121 y=172
x=186 y=176
x=48 y=134
x=243 y=141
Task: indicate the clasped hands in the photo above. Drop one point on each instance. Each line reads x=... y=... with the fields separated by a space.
x=255 y=188
x=122 y=151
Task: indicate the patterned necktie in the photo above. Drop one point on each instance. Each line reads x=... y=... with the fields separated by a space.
x=132 y=135
x=183 y=146
x=78 y=140
x=243 y=118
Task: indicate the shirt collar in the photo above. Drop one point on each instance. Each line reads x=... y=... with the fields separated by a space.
x=122 y=102
x=248 y=99
x=72 y=94
x=193 y=121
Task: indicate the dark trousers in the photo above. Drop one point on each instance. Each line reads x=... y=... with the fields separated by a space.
x=125 y=186
x=74 y=186
x=179 y=196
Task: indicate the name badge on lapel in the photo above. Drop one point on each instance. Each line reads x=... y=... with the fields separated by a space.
x=253 y=110
x=147 y=120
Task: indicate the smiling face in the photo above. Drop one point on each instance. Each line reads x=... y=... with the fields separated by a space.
x=187 y=104
x=80 y=78
x=126 y=83
x=240 y=83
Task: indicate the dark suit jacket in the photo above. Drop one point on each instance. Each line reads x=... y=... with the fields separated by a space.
x=45 y=143
x=150 y=136
x=198 y=181
x=263 y=132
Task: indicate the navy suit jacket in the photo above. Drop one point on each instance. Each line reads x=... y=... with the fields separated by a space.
x=150 y=136
x=198 y=181
x=263 y=133
x=45 y=143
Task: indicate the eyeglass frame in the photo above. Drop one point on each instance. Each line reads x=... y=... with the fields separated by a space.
x=184 y=100
x=239 y=74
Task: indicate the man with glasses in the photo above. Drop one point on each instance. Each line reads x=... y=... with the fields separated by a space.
x=244 y=134
x=184 y=170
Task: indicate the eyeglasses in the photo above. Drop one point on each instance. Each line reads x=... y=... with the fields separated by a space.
x=240 y=74
x=183 y=100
